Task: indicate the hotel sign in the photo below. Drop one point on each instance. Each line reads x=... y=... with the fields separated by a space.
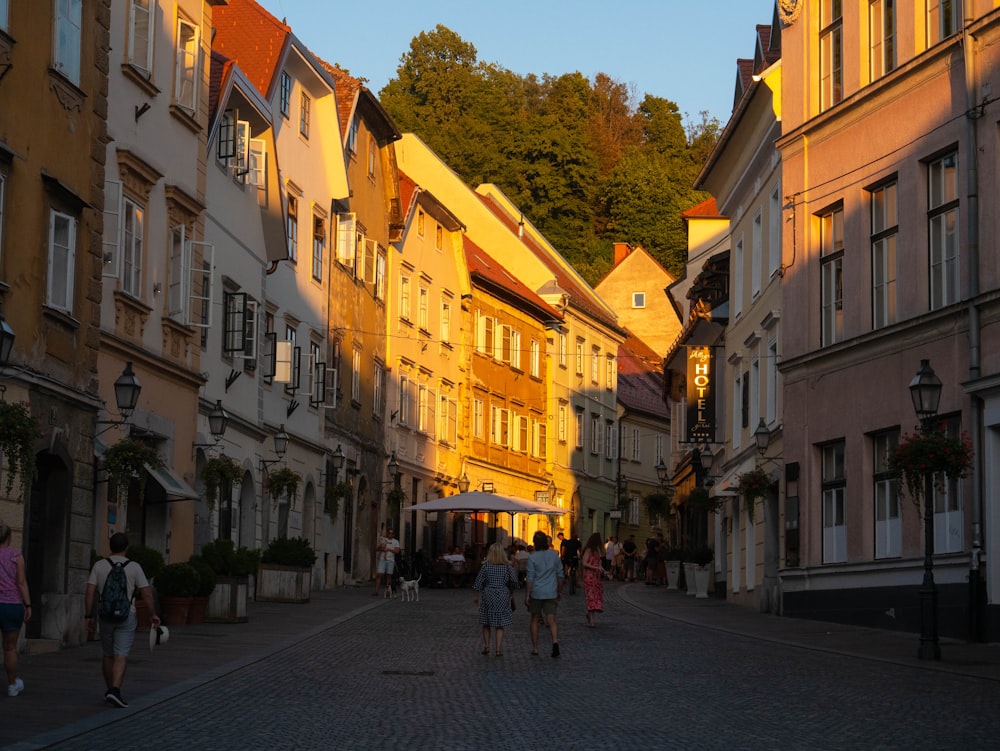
x=700 y=395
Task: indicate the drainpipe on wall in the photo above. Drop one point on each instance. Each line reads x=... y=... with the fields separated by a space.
x=973 y=113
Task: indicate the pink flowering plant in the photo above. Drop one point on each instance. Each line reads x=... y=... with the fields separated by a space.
x=753 y=484
x=939 y=452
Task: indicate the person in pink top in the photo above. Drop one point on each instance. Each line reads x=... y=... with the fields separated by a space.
x=15 y=606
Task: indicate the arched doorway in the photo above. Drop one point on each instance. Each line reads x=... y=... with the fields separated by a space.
x=248 y=512
x=47 y=544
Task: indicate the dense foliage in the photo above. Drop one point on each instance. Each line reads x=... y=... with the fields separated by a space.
x=589 y=165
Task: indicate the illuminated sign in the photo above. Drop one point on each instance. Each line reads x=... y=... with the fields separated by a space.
x=700 y=395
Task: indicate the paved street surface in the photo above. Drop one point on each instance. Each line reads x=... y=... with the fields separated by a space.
x=661 y=671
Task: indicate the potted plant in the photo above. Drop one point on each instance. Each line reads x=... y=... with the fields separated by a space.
x=672 y=556
x=285 y=573
x=702 y=558
x=336 y=493
x=753 y=485
x=233 y=567
x=19 y=432
x=657 y=505
x=126 y=461
x=283 y=481
x=206 y=584
x=176 y=585
x=218 y=472
x=937 y=452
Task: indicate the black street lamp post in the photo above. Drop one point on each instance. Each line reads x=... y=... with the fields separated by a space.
x=925 y=391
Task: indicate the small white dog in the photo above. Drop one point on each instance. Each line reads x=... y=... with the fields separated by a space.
x=409 y=590
x=389 y=593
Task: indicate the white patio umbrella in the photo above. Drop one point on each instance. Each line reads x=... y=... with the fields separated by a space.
x=478 y=502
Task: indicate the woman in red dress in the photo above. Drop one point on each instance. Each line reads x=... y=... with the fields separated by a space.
x=593 y=577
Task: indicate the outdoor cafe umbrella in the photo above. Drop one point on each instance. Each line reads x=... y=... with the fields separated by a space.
x=478 y=502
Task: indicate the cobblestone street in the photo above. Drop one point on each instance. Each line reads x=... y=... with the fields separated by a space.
x=390 y=674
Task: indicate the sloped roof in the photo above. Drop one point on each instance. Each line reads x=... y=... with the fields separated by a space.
x=245 y=32
x=491 y=275
x=707 y=209
x=640 y=378
x=347 y=92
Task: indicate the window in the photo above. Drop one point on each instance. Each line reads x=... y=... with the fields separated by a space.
x=609 y=440
x=515 y=348
x=536 y=359
x=595 y=364
x=292 y=230
x=132 y=223
x=737 y=398
x=404 y=400
x=596 y=435
x=378 y=390
x=426 y=404
x=774 y=232
x=753 y=389
x=421 y=219
x=881 y=37
x=562 y=426
x=186 y=63
x=234 y=323
x=944 y=18
x=562 y=349
x=539 y=439
x=609 y=372
x=477 y=419
x=636 y=445
x=285 y=102
x=884 y=230
x=633 y=510
x=448 y=421
x=356 y=376
x=347 y=241
x=304 y=104
x=885 y=493
x=638 y=299
x=756 y=251
x=579 y=357
x=834 y=487
x=67 y=35
x=352 y=136
x=317 y=373
x=579 y=429
x=404 y=298
x=522 y=427
x=942 y=230
x=832 y=277
x=250 y=322
x=771 y=408
x=423 y=314
x=438 y=238
x=140 y=37
x=61 y=261
x=737 y=282
x=831 y=42
x=380 y=265
x=659 y=448
x=949 y=520
x=499 y=426
x=372 y=147
x=445 y=328
x=319 y=247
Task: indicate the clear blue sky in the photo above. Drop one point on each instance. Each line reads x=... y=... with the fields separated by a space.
x=682 y=50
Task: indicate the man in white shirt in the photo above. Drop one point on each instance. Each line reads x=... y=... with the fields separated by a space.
x=610 y=551
x=386 y=552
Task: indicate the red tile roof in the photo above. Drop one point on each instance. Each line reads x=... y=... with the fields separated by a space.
x=249 y=35
x=347 y=93
x=640 y=378
x=486 y=269
x=707 y=209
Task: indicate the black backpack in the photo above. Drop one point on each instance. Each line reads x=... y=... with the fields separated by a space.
x=115 y=602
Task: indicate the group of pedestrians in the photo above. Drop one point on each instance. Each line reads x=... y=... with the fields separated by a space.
x=546 y=574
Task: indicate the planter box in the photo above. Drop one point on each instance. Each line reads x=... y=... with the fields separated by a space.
x=702 y=576
x=689 y=578
x=174 y=610
x=228 y=602
x=277 y=583
x=673 y=574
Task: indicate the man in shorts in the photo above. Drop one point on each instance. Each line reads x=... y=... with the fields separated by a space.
x=387 y=550
x=543 y=588
x=117 y=637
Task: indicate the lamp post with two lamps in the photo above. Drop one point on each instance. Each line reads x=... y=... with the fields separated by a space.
x=925 y=392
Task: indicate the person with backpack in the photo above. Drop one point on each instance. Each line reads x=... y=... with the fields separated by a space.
x=118 y=581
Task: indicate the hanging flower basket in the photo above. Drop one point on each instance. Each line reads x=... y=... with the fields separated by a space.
x=220 y=471
x=126 y=461
x=753 y=485
x=334 y=495
x=657 y=504
x=18 y=434
x=396 y=497
x=942 y=454
x=285 y=481
x=700 y=500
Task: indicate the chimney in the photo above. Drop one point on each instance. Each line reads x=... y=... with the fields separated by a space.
x=621 y=253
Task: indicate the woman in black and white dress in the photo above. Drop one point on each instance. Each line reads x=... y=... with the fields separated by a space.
x=494 y=582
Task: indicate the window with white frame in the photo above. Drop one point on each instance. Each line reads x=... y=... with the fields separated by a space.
x=627 y=442
x=356 y=376
x=942 y=230
x=522 y=426
x=187 y=56
x=448 y=421
x=380 y=267
x=426 y=406
x=292 y=228
x=579 y=357
x=515 y=348
x=319 y=247
x=478 y=426
x=831 y=42
x=289 y=368
x=404 y=297
x=883 y=239
x=636 y=445
x=140 y=35
x=834 y=492
x=317 y=371
x=404 y=400
x=609 y=439
x=737 y=428
x=633 y=510
x=638 y=299
x=885 y=494
x=596 y=435
x=562 y=425
x=285 y=100
x=659 y=448
x=536 y=358
x=595 y=364
x=445 y=327
x=423 y=312
x=250 y=323
x=609 y=372
x=67 y=36
x=368 y=264
x=234 y=330
x=305 y=113
x=771 y=408
x=61 y=261
x=439 y=237
x=756 y=253
x=580 y=437
x=944 y=19
x=372 y=149
x=378 y=390
x=347 y=242
x=561 y=340
x=499 y=426
x=774 y=232
x=736 y=286
x=949 y=519
x=352 y=137
x=881 y=37
x=754 y=389
x=831 y=276
x=539 y=439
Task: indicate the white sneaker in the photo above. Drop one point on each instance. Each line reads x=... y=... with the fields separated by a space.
x=15 y=688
